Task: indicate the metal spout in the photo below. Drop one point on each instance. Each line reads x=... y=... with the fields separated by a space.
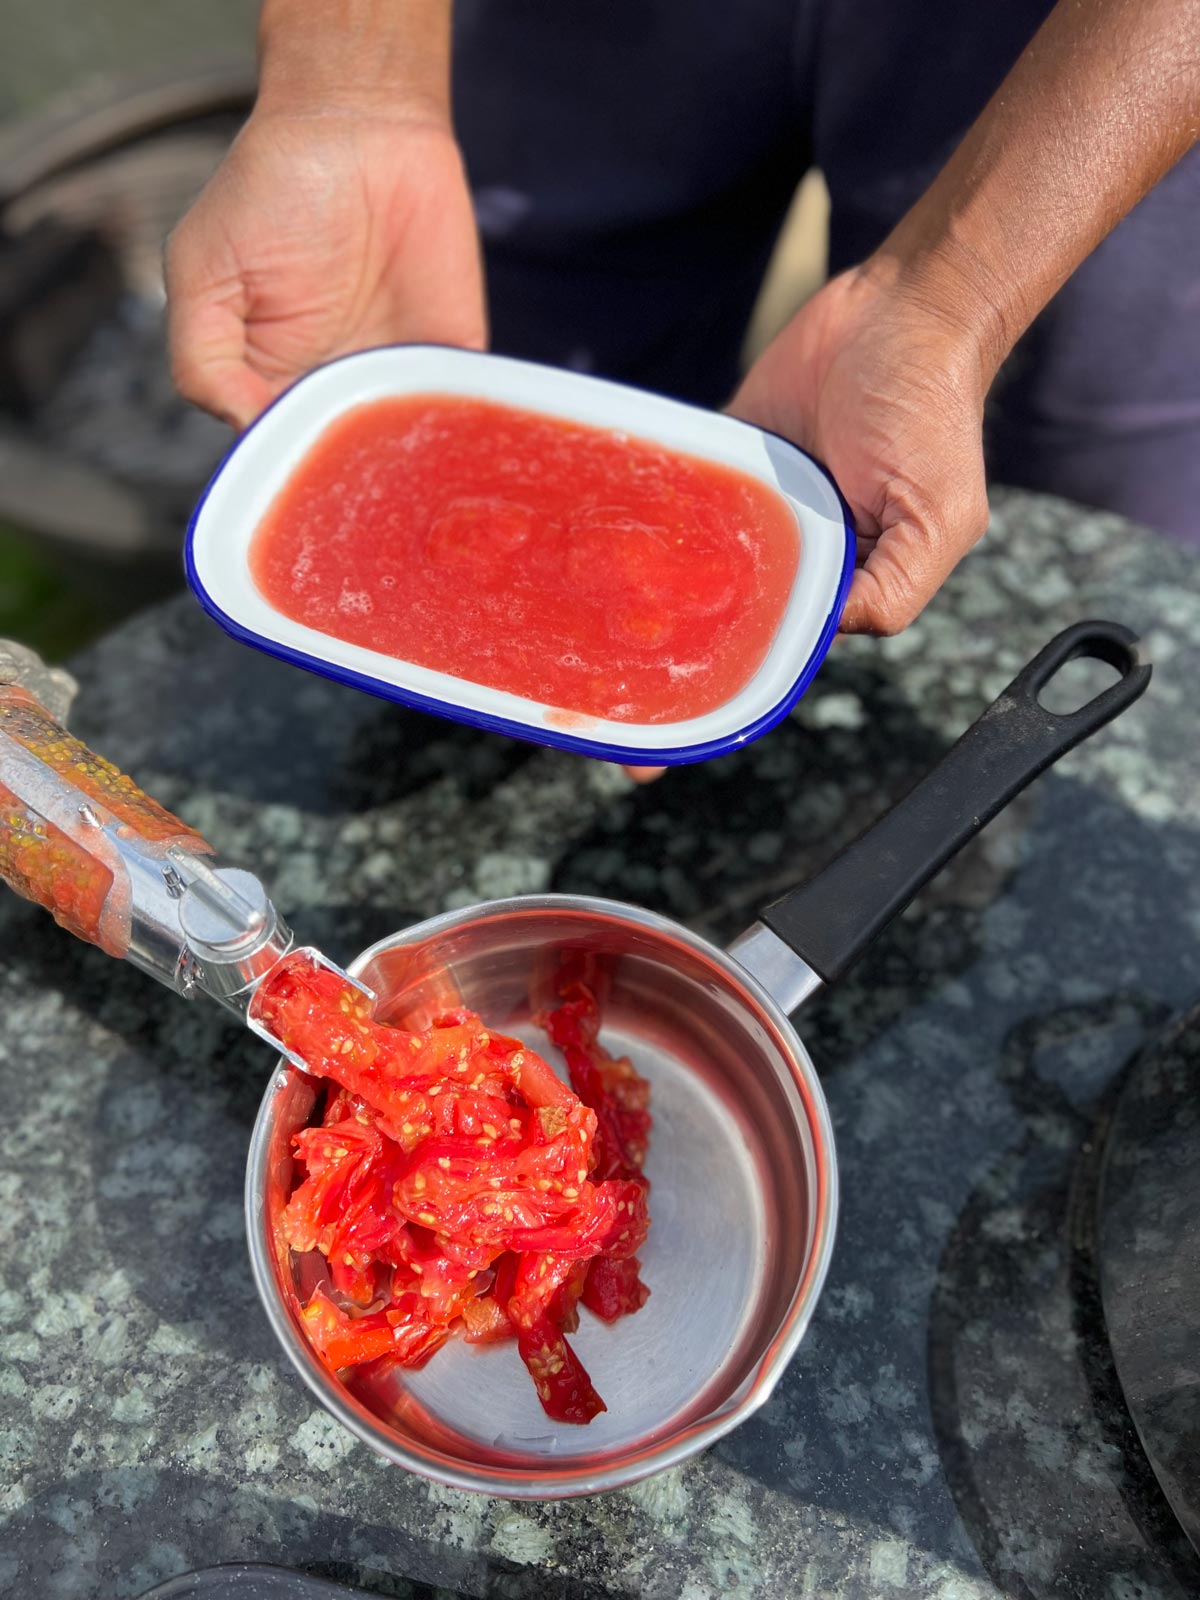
x=231 y=929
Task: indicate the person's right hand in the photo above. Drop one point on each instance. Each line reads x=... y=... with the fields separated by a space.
x=323 y=232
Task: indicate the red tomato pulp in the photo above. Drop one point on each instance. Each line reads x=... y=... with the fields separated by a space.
x=577 y=567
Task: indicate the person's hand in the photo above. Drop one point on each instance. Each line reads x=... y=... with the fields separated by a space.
x=323 y=232
x=888 y=394
x=886 y=391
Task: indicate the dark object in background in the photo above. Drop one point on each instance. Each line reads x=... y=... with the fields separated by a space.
x=56 y=283
x=100 y=460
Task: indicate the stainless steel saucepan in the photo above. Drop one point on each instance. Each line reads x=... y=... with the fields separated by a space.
x=742 y=1163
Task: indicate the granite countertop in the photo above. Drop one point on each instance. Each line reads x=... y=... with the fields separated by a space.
x=951 y=1426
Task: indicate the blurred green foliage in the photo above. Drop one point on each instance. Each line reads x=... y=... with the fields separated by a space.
x=39 y=604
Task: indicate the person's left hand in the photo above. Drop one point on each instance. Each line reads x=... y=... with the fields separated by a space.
x=887 y=392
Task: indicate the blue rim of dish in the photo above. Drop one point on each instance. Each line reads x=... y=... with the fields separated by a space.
x=485 y=722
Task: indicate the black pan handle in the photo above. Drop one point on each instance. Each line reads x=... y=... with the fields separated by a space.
x=831 y=920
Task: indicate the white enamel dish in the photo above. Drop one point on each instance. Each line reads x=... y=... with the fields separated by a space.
x=264 y=457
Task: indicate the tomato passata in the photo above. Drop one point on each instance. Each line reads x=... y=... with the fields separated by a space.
x=599 y=574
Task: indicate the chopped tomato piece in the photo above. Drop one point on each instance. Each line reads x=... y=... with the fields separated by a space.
x=547 y=1285
x=345 y=1341
x=618 y=1095
x=486 y=1321
x=562 y=1385
x=611 y=1219
x=620 y=1098
x=614 y=1288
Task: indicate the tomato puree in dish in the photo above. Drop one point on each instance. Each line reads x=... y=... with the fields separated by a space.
x=579 y=567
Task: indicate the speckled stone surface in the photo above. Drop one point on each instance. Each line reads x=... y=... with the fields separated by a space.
x=951 y=1428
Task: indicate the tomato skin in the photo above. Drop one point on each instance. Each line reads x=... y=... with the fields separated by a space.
x=614 y=1288
x=539 y=1084
x=486 y=1321
x=344 y=1341
x=358 y=1280
x=562 y=1384
x=482 y=1190
x=341 y=1206
x=612 y=1219
x=620 y=1098
x=618 y=1095
x=547 y=1285
x=613 y=1157
x=327 y=1021
x=418 y=1330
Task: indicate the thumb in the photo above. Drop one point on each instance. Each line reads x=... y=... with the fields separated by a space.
x=906 y=566
x=206 y=332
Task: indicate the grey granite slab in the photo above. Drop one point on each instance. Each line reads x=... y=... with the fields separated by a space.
x=952 y=1426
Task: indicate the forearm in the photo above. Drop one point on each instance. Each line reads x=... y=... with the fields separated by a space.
x=1102 y=103
x=347 y=55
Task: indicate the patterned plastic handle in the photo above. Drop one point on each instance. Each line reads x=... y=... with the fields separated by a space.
x=72 y=827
